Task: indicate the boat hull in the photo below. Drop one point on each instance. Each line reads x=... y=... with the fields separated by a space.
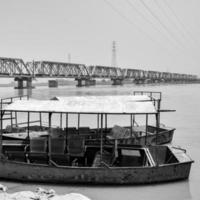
x=162 y=138
x=19 y=171
x=153 y=139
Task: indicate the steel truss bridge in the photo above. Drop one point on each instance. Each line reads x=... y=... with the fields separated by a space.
x=17 y=68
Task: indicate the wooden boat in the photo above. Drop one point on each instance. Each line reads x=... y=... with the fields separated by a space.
x=140 y=134
x=66 y=156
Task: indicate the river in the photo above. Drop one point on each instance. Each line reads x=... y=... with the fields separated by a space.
x=184 y=98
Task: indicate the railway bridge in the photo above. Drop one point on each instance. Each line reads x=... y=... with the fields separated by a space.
x=84 y=75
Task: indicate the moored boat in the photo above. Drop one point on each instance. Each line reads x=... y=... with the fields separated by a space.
x=139 y=135
x=133 y=166
x=85 y=155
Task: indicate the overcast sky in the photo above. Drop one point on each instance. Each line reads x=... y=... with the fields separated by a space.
x=160 y=35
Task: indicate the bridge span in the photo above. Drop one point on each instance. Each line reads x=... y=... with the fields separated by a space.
x=85 y=75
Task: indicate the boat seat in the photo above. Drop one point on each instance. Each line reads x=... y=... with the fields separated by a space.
x=58 y=154
x=38 y=145
x=11 y=143
x=16 y=155
x=38 y=150
x=76 y=146
x=70 y=131
x=15 y=151
x=58 y=133
x=58 y=145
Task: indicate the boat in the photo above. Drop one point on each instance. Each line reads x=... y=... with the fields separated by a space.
x=65 y=155
x=140 y=134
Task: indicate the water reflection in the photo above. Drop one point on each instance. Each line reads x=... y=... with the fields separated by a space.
x=166 y=191
x=22 y=92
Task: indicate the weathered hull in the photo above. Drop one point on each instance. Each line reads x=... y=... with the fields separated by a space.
x=162 y=138
x=115 y=175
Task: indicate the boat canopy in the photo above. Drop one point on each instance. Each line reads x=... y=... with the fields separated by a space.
x=100 y=98
x=126 y=104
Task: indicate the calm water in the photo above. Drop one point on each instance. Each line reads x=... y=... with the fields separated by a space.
x=185 y=99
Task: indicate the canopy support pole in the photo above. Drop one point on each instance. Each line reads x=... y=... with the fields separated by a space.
x=158 y=117
x=49 y=138
x=133 y=120
x=101 y=147
x=157 y=127
x=60 y=120
x=131 y=125
x=106 y=122
x=28 y=126
x=16 y=118
x=66 y=124
x=98 y=121
x=40 y=115
x=1 y=134
x=146 y=129
x=78 y=122
x=11 y=119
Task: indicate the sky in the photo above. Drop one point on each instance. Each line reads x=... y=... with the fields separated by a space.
x=161 y=35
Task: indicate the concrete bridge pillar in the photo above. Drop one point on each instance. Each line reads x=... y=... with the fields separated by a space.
x=89 y=82
x=80 y=82
x=20 y=82
x=29 y=83
x=117 y=81
x=139 y=81
x=53 y=83
x=85 y=82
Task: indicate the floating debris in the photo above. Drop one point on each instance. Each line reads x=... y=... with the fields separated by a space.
x=3 y=188
x=39 y=194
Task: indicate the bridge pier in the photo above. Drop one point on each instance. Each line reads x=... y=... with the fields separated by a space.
x=117 y=81
x=53 y=83
x=90 y=82
x=139 y=81
x=20 y=82
x=84 y=81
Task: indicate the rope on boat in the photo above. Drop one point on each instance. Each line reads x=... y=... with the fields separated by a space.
x=179 y=148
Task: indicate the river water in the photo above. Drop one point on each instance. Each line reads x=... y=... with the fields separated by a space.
x=184 y=98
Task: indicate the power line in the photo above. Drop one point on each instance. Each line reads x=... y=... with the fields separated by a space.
x=141 y=30
x=181 y=23
x=145 y=18
x=169 y=19
x=160 y=22
x=124 y=17
x=132 y=23
x=189 y=35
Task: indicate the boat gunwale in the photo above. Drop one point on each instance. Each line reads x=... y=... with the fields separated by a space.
x=93 y=168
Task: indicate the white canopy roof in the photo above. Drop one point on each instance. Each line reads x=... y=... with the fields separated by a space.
x=100 y=98
x=87 y=104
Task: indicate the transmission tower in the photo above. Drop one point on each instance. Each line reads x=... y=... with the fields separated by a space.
x=114 y=57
